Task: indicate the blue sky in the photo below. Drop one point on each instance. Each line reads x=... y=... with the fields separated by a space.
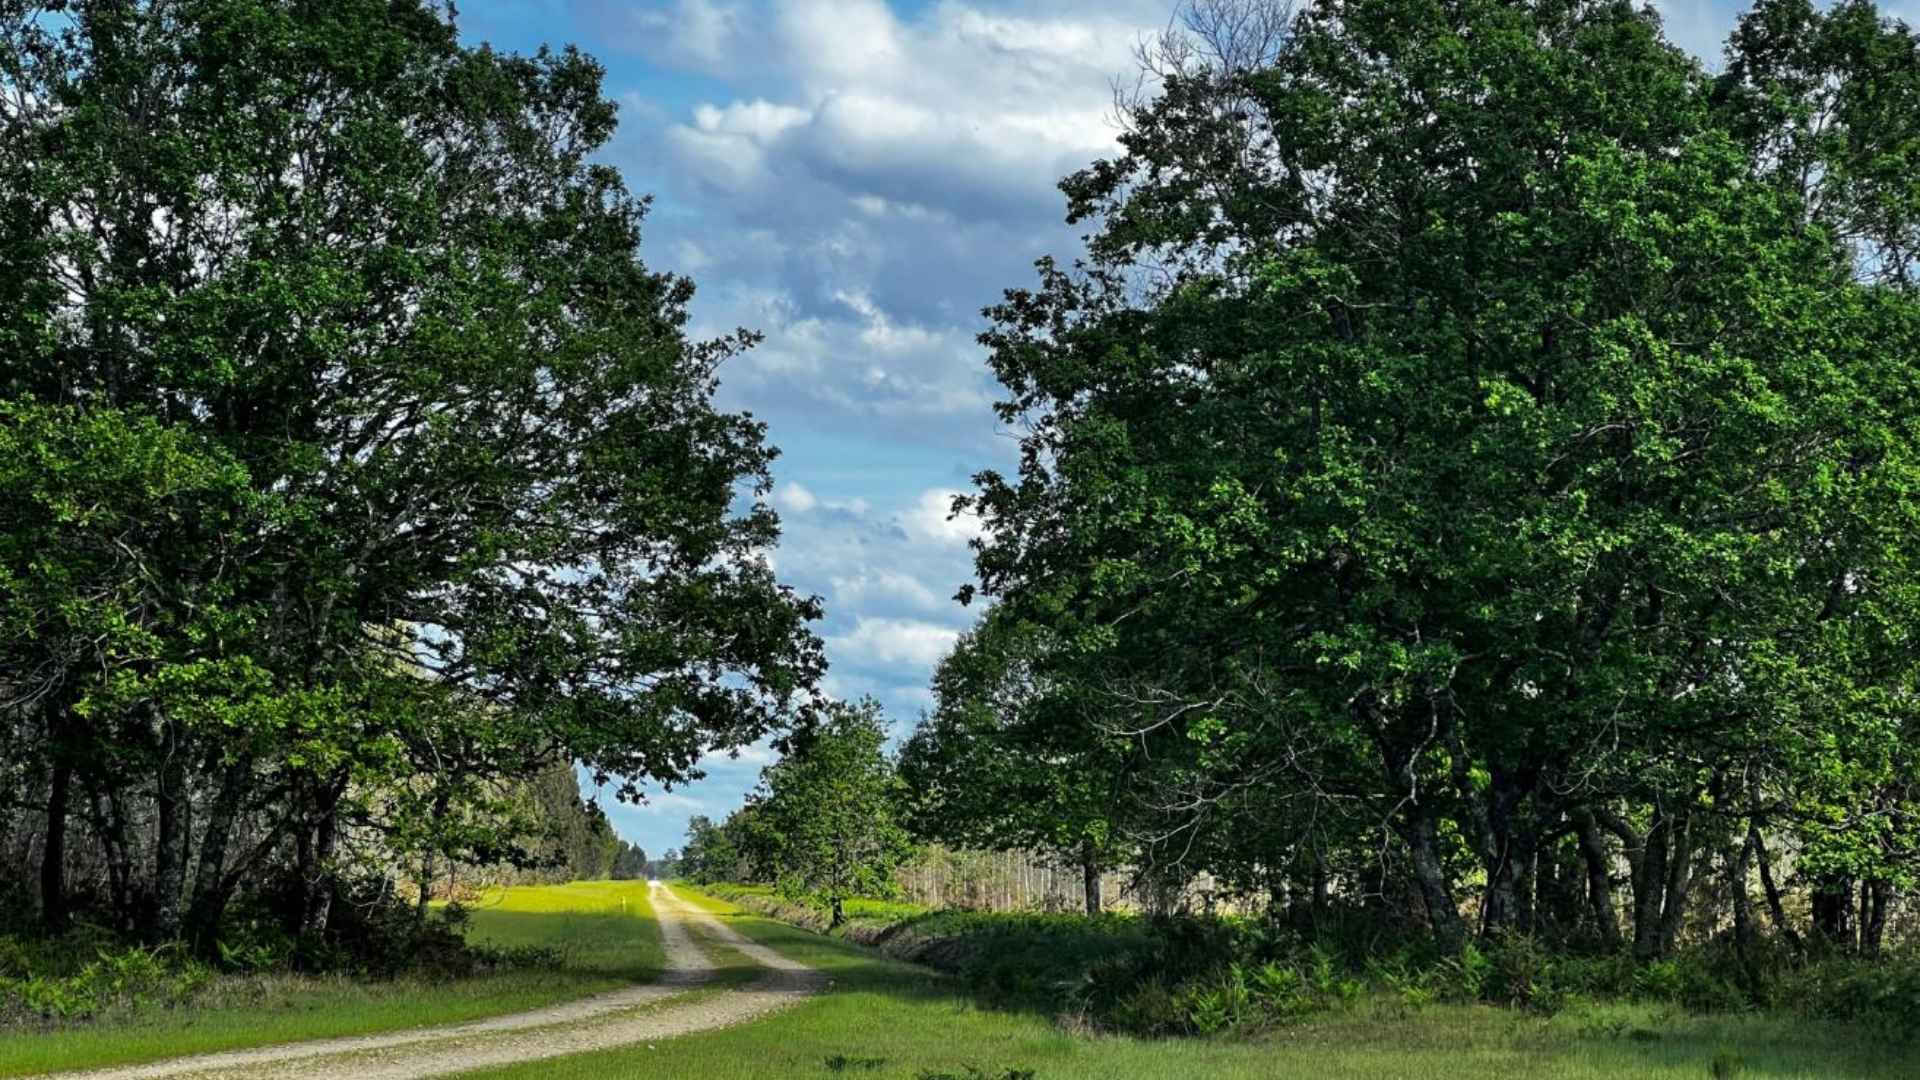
x=856 y=179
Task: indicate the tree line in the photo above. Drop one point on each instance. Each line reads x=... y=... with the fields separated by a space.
x=357 y=478
x=1469 y=481
x=1468 y=486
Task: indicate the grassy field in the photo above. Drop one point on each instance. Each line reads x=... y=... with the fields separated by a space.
x=891 y=1021
x=605 y=928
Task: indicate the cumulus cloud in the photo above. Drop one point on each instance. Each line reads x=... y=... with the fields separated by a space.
x=962 y=105
x=886 y=591
x=888 y=567
x=931 y=519
x=858 y=181
x=794 y=498
x=909 y=642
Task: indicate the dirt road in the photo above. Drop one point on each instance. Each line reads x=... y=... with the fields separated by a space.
x=620 y=1018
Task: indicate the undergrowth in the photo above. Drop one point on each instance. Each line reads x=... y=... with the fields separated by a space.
x=89 y=972
x=1198 y=976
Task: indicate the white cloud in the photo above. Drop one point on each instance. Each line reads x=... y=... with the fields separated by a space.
x=856 y=364
x=880 y=642
x=856 y=181
x=883 y=588
x=931 y=519
x=794 y=498
x=697 y=34
x=756 y=756
x=759 y=120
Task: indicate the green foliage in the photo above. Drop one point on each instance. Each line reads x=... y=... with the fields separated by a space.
x=1188 y=976
x=823 y=823
x=1884 y=996
x=349 y=471
x=1469 y=417
x=81 y=978
x=629 y=863
x=1004 y=761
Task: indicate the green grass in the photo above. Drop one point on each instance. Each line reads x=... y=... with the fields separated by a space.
x=859 y=909
x=604 y=928
x=891 y=1021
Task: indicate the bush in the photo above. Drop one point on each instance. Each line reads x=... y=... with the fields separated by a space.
x=1883 y=995
x=43 y=982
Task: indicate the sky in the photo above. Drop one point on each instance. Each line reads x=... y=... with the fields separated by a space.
x=856 y=179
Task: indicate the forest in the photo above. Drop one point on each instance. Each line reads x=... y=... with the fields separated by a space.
x=1461 y=539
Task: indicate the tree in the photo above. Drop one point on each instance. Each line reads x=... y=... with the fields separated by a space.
x=376 y=277
x=666 y=867
x=630 y=862
x=825 y=815
x=94 y=615
x=1448 y=430
x=709 y=855
x=1004 y=762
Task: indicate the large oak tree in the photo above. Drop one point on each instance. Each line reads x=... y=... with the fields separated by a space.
x=494 y=515
x=1472 y=417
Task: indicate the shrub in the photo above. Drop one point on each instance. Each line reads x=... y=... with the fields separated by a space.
x=1883 y=995
x=38 y=984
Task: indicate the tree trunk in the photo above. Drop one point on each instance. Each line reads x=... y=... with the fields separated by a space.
x=210 y=893
x=111 y=824
x=1833 y=913
x=1649 y=889
x=319 y=887
x=1321 y=888
x=1279 y=898
x=426 y=891
x=1090 y=878
x=1742 y=901
x=172 y=821
x=1424 y=853
x=1775 y=910
x=1488 y=826
x=1593 y=851
x=53 y=852
x=1873 y=928
x=1679 y=881
x=839 y=913
x=1526 y=883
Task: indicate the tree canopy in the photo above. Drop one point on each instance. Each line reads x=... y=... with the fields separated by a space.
x=365 y=463
x=1475 y=420
x=823 y=823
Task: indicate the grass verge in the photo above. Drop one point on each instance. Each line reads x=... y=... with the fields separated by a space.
x=605 y=929
x=893 y=1021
